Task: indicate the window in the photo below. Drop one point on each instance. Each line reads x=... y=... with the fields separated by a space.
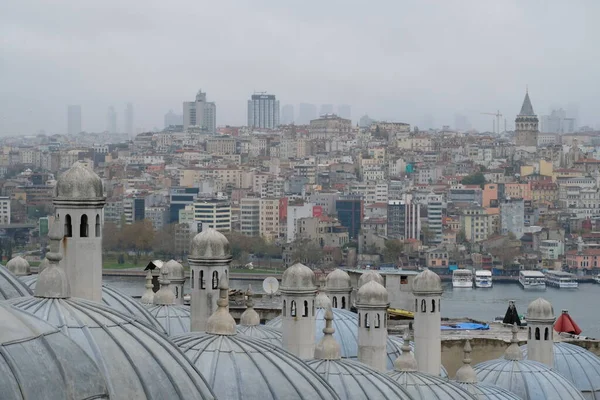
x=313 y=308
x=439 y=306
x=284 y=308
x=192 y=280
x=537 y=333
x=334 y=302
x=68 y=227
x=433 y=305
x=201 y=278
x=176 y=292
x=215 y=280
x=293 y=308
x=416 y=305
x=529 y=333
x=305 y=311
x=344 y=302
x=359 y=320
x=83 y=226
x=546 y=334
x=367 y=320
x=377 y=320
x=98 y=228
x=423 y=306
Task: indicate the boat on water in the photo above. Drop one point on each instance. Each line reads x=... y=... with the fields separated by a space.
x=483 y=278
x=561 y=280
x=532 y=280
x=597 y=279
x=462 y=278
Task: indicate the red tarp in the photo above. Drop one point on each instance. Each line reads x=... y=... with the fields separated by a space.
x=565 y=323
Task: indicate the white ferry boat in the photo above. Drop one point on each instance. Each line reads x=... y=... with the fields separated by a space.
x=532 y=280
x=483 y=278
x=561 y=279
x=597 y=279
x=462 y=278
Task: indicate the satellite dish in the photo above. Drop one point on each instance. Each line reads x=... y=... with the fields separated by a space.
x=270 y=285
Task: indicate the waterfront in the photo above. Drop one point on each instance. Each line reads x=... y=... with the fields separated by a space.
x=480 y=304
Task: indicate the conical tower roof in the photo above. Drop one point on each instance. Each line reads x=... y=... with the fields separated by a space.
x=527 y=108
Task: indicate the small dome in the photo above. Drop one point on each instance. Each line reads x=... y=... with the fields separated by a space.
x=133 y=357
x=322 y=300
x=174 y=319
x=175 y=269
x=11 y=286
x=33 y=353
x=116 y=300
x=427 y=282
x=540 y=309
x=370 y=276
x=487 y=392
x=353 y=380
x=406 y=358
x=263 y=332
x=78 y=182
x=210 y=244
x=423 y=386
x=241 y=367
x=338 y=279
x=346 y=333
x=372 y=294
x=18 y=266
x=579 y=366
x=298 y=277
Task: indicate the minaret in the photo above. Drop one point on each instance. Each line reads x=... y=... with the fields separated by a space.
x=148 y=296
x=177 y=278
x=339 y=289
x=298 y=290
x=427 y=290
x=209 y=259
x=372 y=303
x=164 y=296
x=79 y=203
x=466 y=373
x=328 y=348
x=19 y=266
x=526 y=124
x=540 y=322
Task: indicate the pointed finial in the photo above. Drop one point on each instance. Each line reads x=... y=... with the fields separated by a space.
x=249 y=317
x=328 y=348
x=466 y=373
x=148 y=296
x=221 y=322
x=165 y=295
x=405 y=361
x=526 y=88
x=53 y=282
x=513 y=352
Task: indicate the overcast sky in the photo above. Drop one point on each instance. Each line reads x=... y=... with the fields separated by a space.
x=397 y=60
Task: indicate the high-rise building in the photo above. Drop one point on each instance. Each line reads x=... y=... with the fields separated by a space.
x=350 y=212
x=435 y=206
x=129 y=119
x=287 y=114
x=179 y=197
x=200 y=113
x=329 y=126
x=526 y=124
x=557 y=122
x=111 y=120
x=250 y=216
x=461 y=123
x=404 y=219
x=74 y=119
x=172 y=119
x=326 y=109
x=345 y=111
x=213 y=213
x=263 y=111
x=307 y=112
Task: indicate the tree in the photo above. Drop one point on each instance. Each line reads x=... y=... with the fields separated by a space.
x=138 y=236
x=474 y=179
x=394 y=248
x=164 y=241
x=111 y=237
x=307 y=252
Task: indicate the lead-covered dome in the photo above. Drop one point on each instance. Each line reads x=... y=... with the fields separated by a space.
x=422 y=386
x=136 y=360
x=210 y=244
x=77 y=183
x=11 y=286
x=427 y=282
x=18 y=266
x=174 y=319
x=372 y=294
x=116 y=300
x=298 y=277
x=38 y=362
x=175 y=270
x=579 y=366
x=370 y=276
x=338 y=279
x=540 y=309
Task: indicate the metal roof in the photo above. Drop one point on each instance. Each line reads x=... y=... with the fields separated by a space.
x=11 y=286
x=428 y=387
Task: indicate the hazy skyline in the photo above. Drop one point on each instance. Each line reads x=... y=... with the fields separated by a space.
x=398 y=60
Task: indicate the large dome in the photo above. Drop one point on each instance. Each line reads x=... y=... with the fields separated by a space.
x=77 y=183
x=579 y=366
x=115 y=299
x=137 y=361
x=174 y=319
x=38 y=362
x=11 y=286
x=423 y=386
x=263 y=332
x=346 y=333
x=241 y=367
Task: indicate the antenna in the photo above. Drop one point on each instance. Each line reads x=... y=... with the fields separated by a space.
x=270 y=285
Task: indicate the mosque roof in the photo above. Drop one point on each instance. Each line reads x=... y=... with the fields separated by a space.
x=429 y=387
x=175 y=269
x=174 y=319
x=11 y=286
x=369 y=276
x=298 y=277
x=38 y=362
x=338 y=279
x=78 y=182
x=427 y=282
x=372 y=294
x=250 y=324
x=18 y=266
x=210 y=244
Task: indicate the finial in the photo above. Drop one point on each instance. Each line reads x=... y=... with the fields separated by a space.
x=513 y=352
x=53 y=282
x=405 y=361
x=249 y=317
x=527 y=89
x=221 y=322
x=466 y=373
x=165 y=295
x=328 y=348
x=148 y=296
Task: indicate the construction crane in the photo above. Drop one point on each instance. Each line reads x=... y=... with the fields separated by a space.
x=497 y=122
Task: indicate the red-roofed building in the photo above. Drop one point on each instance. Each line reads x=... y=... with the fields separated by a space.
x=587 y=259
